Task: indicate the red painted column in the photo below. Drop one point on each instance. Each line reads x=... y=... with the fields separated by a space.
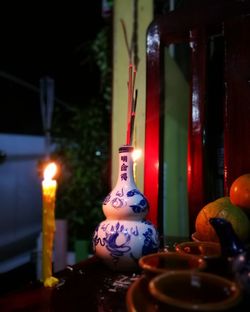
x=152 y=130
x=196 y=193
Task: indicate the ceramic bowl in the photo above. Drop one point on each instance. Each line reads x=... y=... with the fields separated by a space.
x=194 y=291
x=161 y=262
x=206 y=250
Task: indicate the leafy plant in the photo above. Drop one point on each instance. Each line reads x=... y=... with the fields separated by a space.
x=82 y=140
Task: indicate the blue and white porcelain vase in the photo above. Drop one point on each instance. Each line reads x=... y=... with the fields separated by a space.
x=125 y=235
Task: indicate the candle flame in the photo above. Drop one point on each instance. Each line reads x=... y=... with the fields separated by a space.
x=136 y=154
x=50 y=171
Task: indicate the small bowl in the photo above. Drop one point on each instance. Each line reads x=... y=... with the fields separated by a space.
x=206 y=250
x=160 y=262
x=195 y=291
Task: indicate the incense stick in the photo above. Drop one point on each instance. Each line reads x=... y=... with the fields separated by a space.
x=130 y=99
x=131 y=87
x=131 y=80
x=132 y=121
x=126 y=40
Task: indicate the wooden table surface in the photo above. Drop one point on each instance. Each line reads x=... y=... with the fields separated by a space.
x=89 y=286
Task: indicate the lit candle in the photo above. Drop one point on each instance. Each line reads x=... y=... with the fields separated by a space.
x=49 y=187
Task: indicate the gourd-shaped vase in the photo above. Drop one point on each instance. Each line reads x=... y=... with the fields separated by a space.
x=125 y=235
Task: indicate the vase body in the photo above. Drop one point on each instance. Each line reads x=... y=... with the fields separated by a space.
x=125 y=235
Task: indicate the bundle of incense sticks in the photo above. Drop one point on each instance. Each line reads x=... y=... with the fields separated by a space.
x=132 y=69
x=132 y=100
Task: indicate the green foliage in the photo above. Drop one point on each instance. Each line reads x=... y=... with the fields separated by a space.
x=82 y=139
x=102 y=55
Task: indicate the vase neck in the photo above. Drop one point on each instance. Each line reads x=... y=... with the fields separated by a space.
x=125 y=172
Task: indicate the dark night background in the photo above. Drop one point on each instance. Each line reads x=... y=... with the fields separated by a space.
x=38 y=40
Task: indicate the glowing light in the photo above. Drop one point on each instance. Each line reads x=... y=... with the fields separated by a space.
x=156 y=165
x=50 y=171
x=136 y=154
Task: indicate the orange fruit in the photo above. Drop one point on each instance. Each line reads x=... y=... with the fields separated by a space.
x=221 y=208
x=240 y=192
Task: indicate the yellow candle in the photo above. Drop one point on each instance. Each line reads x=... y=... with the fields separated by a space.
x=49 y=187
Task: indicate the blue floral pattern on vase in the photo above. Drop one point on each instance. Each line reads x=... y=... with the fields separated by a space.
x=118 y=202
x=121 y=240
x=111 y=240
x=120 y=193
x=134 y=192
x=107 y=199
x=140 y=207
x=151 y=244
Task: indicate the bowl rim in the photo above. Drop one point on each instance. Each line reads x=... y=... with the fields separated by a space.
x=179 y=248
x=195 y=237
x=224 y=304
x=172 y=254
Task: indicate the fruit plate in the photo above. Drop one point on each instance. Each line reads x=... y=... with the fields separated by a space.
x=139 y=299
